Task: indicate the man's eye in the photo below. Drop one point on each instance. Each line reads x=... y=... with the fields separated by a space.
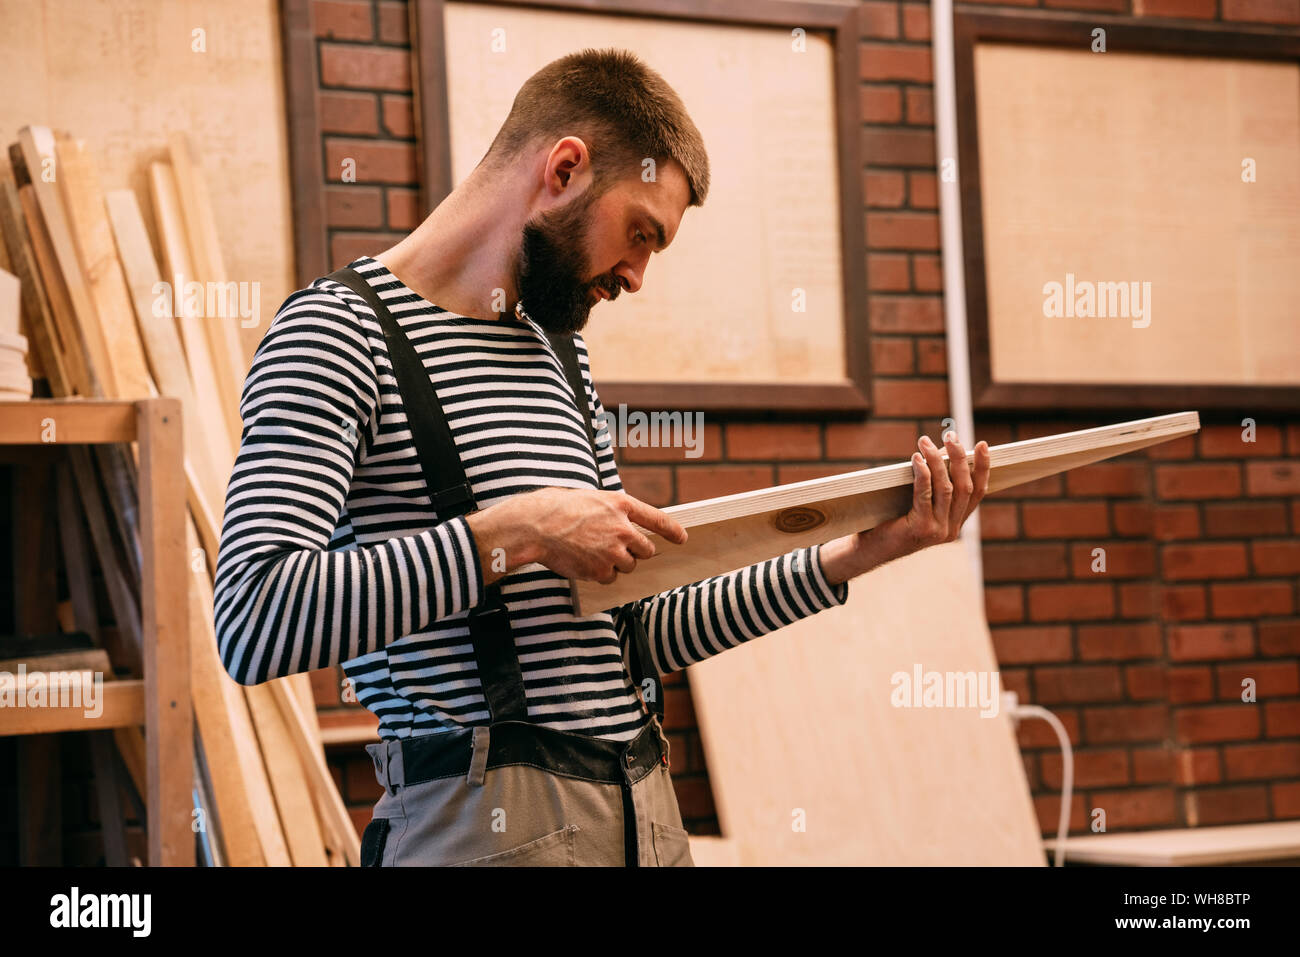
x=640 y=236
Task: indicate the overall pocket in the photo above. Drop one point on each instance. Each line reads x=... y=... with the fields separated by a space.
x=373 y=840
x=672 y=845
x=551 y=850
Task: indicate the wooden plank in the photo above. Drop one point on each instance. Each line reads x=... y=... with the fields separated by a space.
x=38 y=149
x=1189 y=847
x=11 y=297
x=108 y=796
x=708 y=851
x=78 y=422
x=223 y=332
x=334 y=817
x=733 y=531
x=813 y=760
x=122 y=704
x=292 y=796
x=33 y=551
x=88 y=222
x=249 y=823
x=76 y=550
x=40 y=808
x=166 y=634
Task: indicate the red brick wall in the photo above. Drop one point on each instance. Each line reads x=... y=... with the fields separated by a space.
x=1144 y=663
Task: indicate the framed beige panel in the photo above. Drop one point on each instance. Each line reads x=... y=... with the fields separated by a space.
x=1132 y=216
x=758 y=303
x=122 y=75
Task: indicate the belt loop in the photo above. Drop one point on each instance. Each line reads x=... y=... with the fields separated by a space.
x=668 y=749
x=478 y=762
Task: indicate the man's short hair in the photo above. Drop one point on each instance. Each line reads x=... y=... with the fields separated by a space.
x=624 y=111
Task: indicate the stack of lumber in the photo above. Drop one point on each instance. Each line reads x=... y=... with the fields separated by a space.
x=15 y=380
x=91 y=308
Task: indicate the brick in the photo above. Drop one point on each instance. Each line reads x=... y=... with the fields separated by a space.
x=1198 y=766
x=774 y=441
x=1276 y=558
x=1133 y=519
x=1071 y=602
x=1282 y=719
x=911 y=397
x=359 y=782
x=1251 y=599
x=898 y=147
x=923 y=193
x=889 y=272
x=399 y=116
x=1272 y=679
x=916 y=21
x=1184 y=602
x=1295 y=516
x=1229 y=442
x=1209 y=642
x=1293 y=439
x=1092 y=769
x=679 y=709
x=1272 y=478
x=403 y=208
x=1238 y=722
x=394 y=24
x=892 y=356
x=1022 y=561
x=1032 y=645
x=1244 y=519
x=886 y=61
x=651 y=484
x=342 y=19
x=878 y=20
x=1039 y=734
x=880 y=104
x=1147 y=722
x=1153 y=766
x=1279 y=637
x=1115 y=479
x=903 y=231
x=1016 y=681
x=1048 y=809
x=376 y=161
x=1111 y=6
x=1138 y=599
x=354 y=113
x=1219 y=806
x=876 y=440
x=884 y=189
x=708 y=443
x=906 y=314
x=1191 y=685
x=1198 y=481
x=803 y=473
x=694 y=797
x=1146 y=682
x=347 y=246
x=367 y=68
x=1133 y=808
x=1175 y=522
x=1184 y=448
x=932 y=356
x=1000 y=520
x=1123 y=559
x=694 y=483
x=920 y=106
x=1077 y=684
x=1286 y=799
x=354 y=206
x=1253 y=762
x=1197 y=9
x=1003 y=604
x=1064 y=519
x=1120 y=642
x=1183 y=562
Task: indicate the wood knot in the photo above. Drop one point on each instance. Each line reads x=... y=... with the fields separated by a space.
x=800 y=518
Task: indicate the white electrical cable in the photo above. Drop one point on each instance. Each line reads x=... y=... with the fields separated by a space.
x=1019 y=711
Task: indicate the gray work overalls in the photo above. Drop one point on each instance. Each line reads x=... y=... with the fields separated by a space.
x=512 y=792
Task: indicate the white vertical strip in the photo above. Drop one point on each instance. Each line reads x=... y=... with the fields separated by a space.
x=954 y=280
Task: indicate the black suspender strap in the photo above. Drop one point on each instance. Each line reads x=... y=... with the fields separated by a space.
x=443 y=473
x=568 y=356
x=644 y=673
x=489 y=622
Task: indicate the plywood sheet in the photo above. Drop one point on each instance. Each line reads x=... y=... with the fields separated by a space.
x=1082 y=178
x=798 y=728
x=720 y=299
x=123 y=74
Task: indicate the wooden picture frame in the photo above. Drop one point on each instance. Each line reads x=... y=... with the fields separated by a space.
x=851 y=394
x=971 y=27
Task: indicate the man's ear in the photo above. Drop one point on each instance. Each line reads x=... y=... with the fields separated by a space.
x=568 y=161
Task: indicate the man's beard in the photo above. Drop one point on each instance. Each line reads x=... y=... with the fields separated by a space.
x=552 y=267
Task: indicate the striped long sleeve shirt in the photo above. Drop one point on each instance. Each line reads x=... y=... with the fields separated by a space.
x=332 y=553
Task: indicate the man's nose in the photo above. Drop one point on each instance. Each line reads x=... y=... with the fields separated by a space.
x=629 y=277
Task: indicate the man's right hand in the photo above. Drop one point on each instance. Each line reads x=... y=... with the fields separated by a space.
x=586 y=534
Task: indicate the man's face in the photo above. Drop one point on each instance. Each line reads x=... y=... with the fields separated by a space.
x=592 y=248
